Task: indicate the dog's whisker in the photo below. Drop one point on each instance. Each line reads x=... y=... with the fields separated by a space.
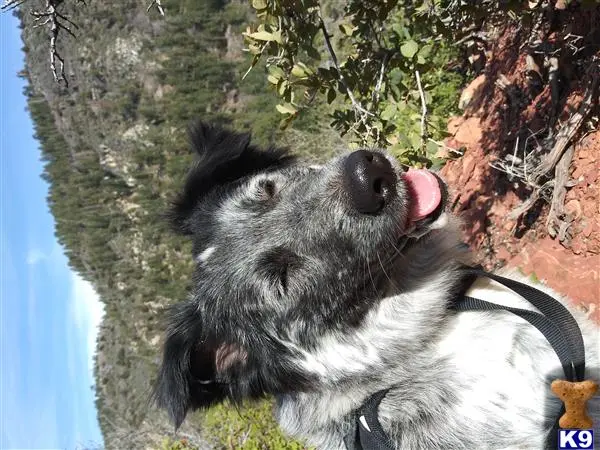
x=385 y=273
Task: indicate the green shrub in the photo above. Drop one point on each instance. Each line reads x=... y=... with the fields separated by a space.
x=251 y=427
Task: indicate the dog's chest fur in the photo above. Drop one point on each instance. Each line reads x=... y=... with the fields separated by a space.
x=481 y=382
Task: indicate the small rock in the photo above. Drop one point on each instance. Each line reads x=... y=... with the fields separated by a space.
x=561 y=4
x=587 y=230
x=454 y=123
x=573 y=208
x=591 y=176
x=503 y=253
x=469 y=133
x=577 y=172
x=577 y=247
x=472 y=92
x=584 y=153
x=508 y=225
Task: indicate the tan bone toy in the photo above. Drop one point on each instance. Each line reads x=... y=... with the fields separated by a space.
x=575 y=396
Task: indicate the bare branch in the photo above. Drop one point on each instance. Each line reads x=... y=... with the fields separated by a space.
x=11 y=4
x=531 y=201
x=423 y=112
x=52 y=18
x=375 y=98
x=355 y=104
x=57 y=22
x=158 y=6
x=568 y=131
x=558 y=222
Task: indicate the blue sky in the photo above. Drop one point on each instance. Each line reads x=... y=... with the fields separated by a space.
x=49 y=316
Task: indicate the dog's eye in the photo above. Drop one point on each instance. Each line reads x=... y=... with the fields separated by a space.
x=267 y=189
x=276 y=265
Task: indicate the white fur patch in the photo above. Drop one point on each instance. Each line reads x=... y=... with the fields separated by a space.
x=340 y=355
x=203 y=257
x=441 y=222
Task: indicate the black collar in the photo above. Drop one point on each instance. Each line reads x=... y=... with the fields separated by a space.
x=554 y=321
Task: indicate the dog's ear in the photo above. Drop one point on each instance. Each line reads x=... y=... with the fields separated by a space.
x=190 y=374
x=223 y=157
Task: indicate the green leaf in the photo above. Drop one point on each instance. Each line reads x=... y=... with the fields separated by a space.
x=286 y=109
x=389 y=111
x=313 y=53
x=277 y=36
x=273 y=79
x=347 y=29
x=299 y=71
x=425 y=51
x=432 y=148
x=415 y=140
x=409 y=49
x=259 y=4
x=254 y=49
x=276 y=71
x=331 y=96
x=283 y=88
x=262 y=36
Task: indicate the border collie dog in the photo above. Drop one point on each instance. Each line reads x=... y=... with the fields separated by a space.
x=323 y=285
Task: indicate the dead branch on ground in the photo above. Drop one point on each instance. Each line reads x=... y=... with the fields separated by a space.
x=558 y=222
x=552 y=171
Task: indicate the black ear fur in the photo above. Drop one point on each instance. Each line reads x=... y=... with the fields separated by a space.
x=186 y=379
x=223 y=157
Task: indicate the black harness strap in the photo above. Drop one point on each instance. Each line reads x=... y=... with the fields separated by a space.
x=554 y=321
x=367 y=433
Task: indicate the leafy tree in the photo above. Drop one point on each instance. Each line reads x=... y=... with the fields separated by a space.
x=382 y=65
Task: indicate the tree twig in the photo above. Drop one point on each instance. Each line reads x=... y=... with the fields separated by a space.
x=53 y=18
x=355 y=104
x=557 y=223
x=567 y=132
x=375 y=98
x=533 y=198
x=423 y=112
x=158 y=6
x=11 y=4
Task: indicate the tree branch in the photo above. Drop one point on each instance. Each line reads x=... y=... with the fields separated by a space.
x=158 y=6
x=423 y=112
x=355 y=104
x=375 y=98
x=11 y=4
x=56 y=22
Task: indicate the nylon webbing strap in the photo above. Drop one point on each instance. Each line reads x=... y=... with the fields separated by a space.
x=368 y=434
x=554 y=321
x=554 y=335
x=559 y=323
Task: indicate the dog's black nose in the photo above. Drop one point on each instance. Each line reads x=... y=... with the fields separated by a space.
x=370 y=181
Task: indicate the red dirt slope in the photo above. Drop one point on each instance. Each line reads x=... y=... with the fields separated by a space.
x=484 y=196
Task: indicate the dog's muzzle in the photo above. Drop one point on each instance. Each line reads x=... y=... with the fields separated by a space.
x=370 y=181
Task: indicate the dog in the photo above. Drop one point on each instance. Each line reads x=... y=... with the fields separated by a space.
x=323 y=285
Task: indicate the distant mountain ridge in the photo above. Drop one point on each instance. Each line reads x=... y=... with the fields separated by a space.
x=114 y=148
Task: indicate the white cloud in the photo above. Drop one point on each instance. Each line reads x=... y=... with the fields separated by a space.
x=87 y=311
x=35 y=255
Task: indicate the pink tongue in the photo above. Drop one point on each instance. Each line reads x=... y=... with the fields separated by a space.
x=424 y=191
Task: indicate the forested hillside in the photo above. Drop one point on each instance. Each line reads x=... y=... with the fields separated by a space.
x=115 y=149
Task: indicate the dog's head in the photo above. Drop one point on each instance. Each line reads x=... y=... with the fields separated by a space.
x=287 y=256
